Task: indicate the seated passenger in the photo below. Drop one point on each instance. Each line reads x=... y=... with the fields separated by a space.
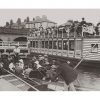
x=26 y=72
x=19 y=67
x=1 y=63
x=46 y=61
x=10 y=58
x=53 y=67
x=21 y=63
x=37 y=64
x=41 y=60
x=12 y=67
x=45 y=56
x=51 y=71
x=1 y=66
x=32 y=64
x=16 y=52
x=47 y=65
x=40 y=57
x=5 y=62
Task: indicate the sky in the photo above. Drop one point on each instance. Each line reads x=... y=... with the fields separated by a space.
x=59 y=16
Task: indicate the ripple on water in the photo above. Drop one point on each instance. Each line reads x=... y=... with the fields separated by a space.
x=89 y=77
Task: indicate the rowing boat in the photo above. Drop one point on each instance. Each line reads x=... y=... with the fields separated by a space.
x=11 y=82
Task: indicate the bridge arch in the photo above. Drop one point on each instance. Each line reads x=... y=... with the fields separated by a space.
x=1 y=40
x=21 y=39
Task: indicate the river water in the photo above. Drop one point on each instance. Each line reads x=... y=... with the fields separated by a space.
x=89 y=78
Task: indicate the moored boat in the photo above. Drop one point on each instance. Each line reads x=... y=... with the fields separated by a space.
x=68 y=42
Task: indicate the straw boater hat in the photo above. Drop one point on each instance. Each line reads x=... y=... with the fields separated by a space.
x=36 y=62
x=45 y=55
x=21 y=61
x=40 y=55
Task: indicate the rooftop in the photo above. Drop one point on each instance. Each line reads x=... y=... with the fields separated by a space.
x=40 y=20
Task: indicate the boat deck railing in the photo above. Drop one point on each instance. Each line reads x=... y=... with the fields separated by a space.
x=64 y=35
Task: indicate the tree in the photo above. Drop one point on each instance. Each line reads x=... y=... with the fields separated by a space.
x=27 y=19
x=7 y=24
x=18 y=21
x=11 y=22
x=33 y=18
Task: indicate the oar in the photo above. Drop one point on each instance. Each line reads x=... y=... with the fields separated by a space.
x=21 y=79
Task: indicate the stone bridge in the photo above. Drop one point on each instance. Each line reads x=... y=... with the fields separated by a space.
x=8 y=34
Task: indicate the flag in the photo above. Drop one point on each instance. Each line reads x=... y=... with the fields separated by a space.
x=88 y=29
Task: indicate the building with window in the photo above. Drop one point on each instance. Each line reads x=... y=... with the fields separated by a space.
x=36 y=23
x=18 y=26
x=40 y=22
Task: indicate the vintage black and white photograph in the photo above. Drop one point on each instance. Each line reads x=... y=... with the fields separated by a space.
x=49 y=49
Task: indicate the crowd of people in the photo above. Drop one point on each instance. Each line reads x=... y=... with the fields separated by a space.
x=40 y=67
x=70 y=28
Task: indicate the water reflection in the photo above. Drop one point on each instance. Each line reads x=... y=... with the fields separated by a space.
x=89 y=77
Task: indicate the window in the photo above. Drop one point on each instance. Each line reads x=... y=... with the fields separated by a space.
x=30 y=43
x=60 y=45
x=55 y=33
x=36 y=44
x=42 y=44
x=46 y=34
x=71 y=45
x=50 y=44
x=65 y=45
x=54 y=44
x=94 y=48
x=50 y=35
x=78 y=45
x=64 y=34
x=33 y=43
x=46 y=44
x=59 y=34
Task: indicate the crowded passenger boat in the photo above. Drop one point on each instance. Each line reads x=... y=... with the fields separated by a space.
x=73 y=40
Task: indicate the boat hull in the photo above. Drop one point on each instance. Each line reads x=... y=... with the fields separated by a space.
x=74 y=61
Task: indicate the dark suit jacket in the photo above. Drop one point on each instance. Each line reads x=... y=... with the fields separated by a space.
x=67 y=73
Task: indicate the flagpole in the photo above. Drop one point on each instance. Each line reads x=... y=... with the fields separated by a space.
x=82 y=31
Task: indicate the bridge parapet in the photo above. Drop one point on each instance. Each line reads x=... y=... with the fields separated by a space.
x=8 y=47
x=23 y=31
x=13 y=44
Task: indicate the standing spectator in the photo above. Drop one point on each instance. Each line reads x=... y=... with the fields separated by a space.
x=83 y=22
x=68 y=74
x=16 y=52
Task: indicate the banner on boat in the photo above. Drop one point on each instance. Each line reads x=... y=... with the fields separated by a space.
x=88 y=29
